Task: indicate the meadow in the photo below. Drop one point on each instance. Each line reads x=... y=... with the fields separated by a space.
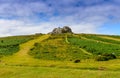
x=46 y=72
x=101 y=38
x=10 y=45
x=54 y=56
x=95 y=47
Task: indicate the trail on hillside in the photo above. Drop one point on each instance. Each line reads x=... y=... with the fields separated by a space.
x=106 y=37
x=99 y=41
x=22 y=55
x=24 y=48
x=84 y=51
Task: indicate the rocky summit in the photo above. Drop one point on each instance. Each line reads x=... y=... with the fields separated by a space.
x=59 y=30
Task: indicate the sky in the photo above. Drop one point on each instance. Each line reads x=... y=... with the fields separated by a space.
x=22 y=17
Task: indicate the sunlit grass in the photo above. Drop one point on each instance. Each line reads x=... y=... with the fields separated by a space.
x=47 y=72
x=23 y=65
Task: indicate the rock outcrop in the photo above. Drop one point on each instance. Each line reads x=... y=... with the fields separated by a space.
x=59 y=30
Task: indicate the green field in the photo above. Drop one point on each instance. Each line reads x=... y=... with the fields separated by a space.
x=54 y=56
x=10 y=45
x=47 y=72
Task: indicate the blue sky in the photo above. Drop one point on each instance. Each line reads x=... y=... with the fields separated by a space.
x=21 y=17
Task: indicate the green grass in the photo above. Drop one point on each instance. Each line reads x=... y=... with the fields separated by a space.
x=46 y=72
x=95 y=47
x=114 y=36
x=10 y=45
x=99 y=38
x=72 y=47
x=57 y=48
x=53 y=56
x=12 y=40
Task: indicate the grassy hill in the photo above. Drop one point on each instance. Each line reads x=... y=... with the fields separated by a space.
x=10 y=45
x=60 y=51
x=60 y=47
x=72 y=47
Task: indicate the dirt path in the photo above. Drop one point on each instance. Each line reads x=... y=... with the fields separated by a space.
x=84 y=51
x=99 y=41
x=22 y=55
x=24 y=48
x=116 y=39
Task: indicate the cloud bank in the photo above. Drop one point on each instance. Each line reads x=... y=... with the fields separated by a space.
x=20 y=17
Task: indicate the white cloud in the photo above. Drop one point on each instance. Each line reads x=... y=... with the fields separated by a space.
x=85 y=19
x=14 y=27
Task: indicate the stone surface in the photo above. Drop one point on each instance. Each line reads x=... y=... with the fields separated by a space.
x=59 y=30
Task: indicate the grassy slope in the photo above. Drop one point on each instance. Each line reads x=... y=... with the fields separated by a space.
x=19 y=64
x=58 y=48
x=10 y=45
x=107 y=37
x=45 y=72
x=66 y=46
x=21 y=57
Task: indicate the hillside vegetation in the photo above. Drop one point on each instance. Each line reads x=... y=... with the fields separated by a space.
x=57 y=48
x=69 y=47
x=74 y=47
x=10 y=45
x=57 y=55
x=46 y=72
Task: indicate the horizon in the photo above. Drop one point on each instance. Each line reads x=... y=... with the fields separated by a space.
x=48 y=33
x=25 y=17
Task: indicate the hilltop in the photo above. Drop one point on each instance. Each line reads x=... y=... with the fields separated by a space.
x=66 y=46
x=60 y=50
x=65 y=29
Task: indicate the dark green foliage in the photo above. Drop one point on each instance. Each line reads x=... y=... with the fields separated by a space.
x=36 y=44
x=96 y=37
x=105 y=57
x=95 y=47
x=101 y=58
x=15 y=40
x=1 y=41
x=115 y=36
x=10 y=45
x=110 y=56
x=8 y=50
x=77 y=61
x=55 y=48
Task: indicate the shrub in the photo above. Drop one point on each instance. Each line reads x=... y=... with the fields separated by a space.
x=77 y=61
x=1 y=41
x=101 y=58
x=105 y=57
x=93 y=47
x=10 y=45
x=110 y=56
x=36 y=44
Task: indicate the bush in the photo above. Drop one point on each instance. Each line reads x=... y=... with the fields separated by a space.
x=110 y=56
x=1 y=41
x=101 y=58
x=36 y=44
x=105 y=57
x=77 y=61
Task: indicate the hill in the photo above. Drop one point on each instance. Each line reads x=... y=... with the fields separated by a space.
x=61 y=47
x=75 y=46
x=10 y=45
x=67 y=50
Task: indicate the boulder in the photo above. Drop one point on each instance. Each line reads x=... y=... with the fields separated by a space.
x=66 y=29
x=59 y=30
